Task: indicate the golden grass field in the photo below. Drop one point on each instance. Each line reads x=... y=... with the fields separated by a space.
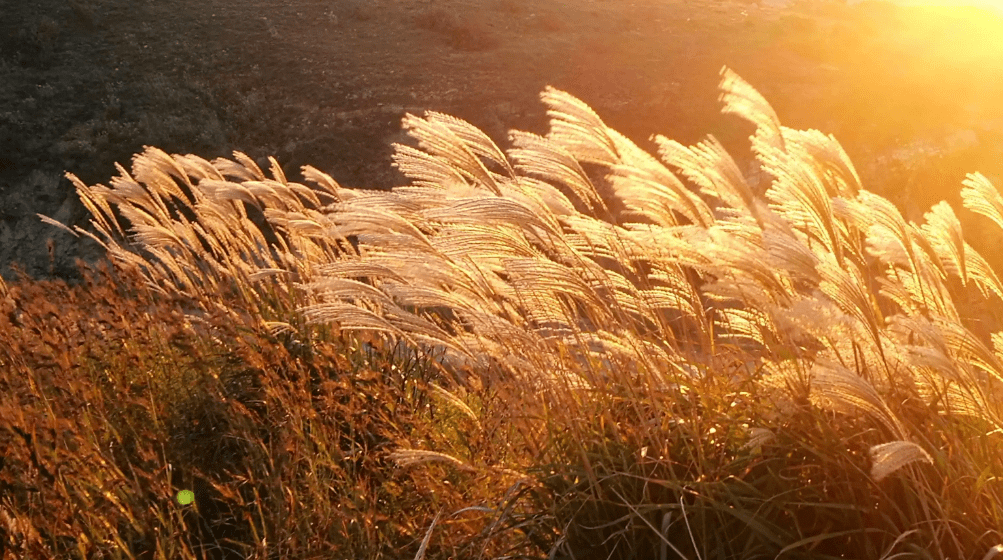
x=572 y=349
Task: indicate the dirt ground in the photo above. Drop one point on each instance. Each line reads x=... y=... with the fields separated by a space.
x=911 y=94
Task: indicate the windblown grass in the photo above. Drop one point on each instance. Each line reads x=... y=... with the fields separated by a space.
x=111 y=401
x=662 y=359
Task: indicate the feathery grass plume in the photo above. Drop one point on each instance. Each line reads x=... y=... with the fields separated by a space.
x=946 y=380
x=712 y=169
x=943 y=230
x=968 y=401
x=892 y=456
x=741 y=99
x=744 y=325
x=530 y=283
x=919 y=333
x=993 y=552
x=828 y=159
x=846 y=288
x=578 y=129
x=422 y=168
x=980 y=196
x=997 y=342
x=195 y=232
x=918 y=283
x=805 y=328
x=801 y=198
x=457 y=402
x=743 y=272
x=846 y=391
x=437 y=138
x=900 y=262
x=968 y=349
x=983 y=274
x=786 y=252
x=648 y=200
x=641 y=183
x=539 y=156
x=758 y=436
x=877 y=217
x=409 y=457
x=475 y=139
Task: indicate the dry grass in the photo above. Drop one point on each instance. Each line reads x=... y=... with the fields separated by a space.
x=466 y=32
x=112 y=400
x=665 y=358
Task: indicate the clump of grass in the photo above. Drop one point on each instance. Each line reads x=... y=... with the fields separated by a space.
x=460 y=32
x=512 y=7
x=365 y=11
x=85 y=12
x=550 y=22
x=666 y=359
x=112 y=400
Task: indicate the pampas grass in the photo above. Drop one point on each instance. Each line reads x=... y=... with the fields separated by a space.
x=788 y=370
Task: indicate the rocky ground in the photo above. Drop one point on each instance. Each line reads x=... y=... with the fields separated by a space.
x=87 y=83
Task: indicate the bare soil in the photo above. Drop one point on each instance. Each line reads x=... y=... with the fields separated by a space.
x=87 y=83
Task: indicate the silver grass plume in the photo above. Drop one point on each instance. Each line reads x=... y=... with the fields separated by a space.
x=801 y=198
x=741 y=99
x=980 y=196
x=837 y=387
x=943 y=229
x=712 y=169
x=892 y=456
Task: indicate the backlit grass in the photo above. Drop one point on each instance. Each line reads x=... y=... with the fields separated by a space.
x=570 y=348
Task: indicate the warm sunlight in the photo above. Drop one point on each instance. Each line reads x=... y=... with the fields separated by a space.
x=953 y=33
x=991 y=4
x=497 y=279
